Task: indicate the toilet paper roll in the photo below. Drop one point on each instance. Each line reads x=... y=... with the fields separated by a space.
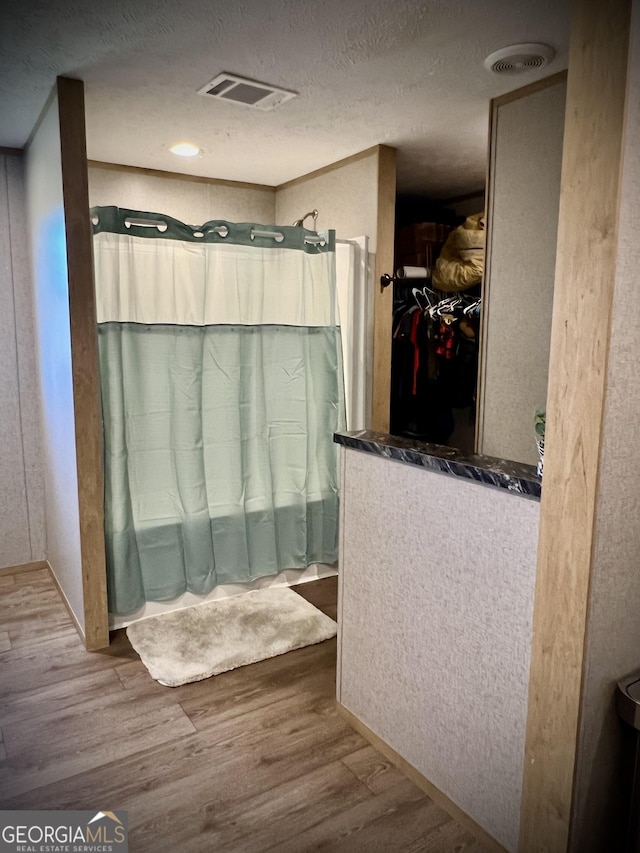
x=413 y=272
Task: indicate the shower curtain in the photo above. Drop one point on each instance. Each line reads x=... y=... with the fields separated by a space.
x=221 y=377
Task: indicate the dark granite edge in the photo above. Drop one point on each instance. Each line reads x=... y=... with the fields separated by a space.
x=513 y=476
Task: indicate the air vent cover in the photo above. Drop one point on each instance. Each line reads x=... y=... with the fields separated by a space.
x=247 y=93
x=518 y=58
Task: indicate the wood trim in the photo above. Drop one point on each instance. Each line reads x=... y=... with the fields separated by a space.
x=383 y=299
x=181 y=176
x=24 y=567
x=11 y=152
x=584 y=283
x=369 y=152
x=84 y=360
x=440 y=799
x=531 y=89
x=344 y=460
x=68 y=607
x=478 y=440
x=38 y=565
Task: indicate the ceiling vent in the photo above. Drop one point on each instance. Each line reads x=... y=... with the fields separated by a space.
x=247 y=93
x=518 y=58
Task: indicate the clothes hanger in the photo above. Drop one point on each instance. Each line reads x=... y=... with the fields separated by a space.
x=417 y=295
x=429 y=295
x=473 y=307
x=444 y=306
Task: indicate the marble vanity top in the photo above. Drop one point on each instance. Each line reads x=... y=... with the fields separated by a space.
x=513 y=476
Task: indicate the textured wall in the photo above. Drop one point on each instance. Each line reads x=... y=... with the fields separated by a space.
x=346 y=199
x=613 y=632
x=14 y=516
x=437 y=584
x=21 y=492
x=189 y=201
x=525 y=194
x=45 y=221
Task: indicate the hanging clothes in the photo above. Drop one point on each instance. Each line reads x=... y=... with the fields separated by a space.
x=434 y=365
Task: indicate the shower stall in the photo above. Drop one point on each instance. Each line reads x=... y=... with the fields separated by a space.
x=223 y=377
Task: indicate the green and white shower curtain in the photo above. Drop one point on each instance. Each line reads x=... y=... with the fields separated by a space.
x=221 y=383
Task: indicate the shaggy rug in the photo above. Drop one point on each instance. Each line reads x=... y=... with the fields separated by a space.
x=197 y=642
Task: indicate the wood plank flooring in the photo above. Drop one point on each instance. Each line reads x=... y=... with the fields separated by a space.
x=253 y=760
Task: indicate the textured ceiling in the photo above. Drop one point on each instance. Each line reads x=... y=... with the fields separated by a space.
x=406 y=73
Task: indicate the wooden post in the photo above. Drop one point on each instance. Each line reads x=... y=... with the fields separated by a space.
x=584 y=285
x=84 y=360
x=383 y=301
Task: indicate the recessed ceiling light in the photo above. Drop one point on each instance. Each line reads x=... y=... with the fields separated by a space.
x=185 y=149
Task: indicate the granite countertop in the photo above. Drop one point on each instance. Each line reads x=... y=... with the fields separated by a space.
x=513 y=476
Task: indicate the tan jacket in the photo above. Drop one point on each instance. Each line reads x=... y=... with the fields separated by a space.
x=461 y=261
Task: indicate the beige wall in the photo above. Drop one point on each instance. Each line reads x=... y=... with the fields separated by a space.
x=46 y=229
x=22 y=532
x=524 y=195
x=193 y=202
x=613 y=632
x=346 y=198
x=437 y=578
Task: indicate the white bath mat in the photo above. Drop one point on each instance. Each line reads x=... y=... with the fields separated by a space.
x=195 y=643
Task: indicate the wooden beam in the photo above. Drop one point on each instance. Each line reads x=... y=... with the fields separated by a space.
x=84 y=360
x=481 y=383
x=383 y=299
x=584 y=282
x=530 y=89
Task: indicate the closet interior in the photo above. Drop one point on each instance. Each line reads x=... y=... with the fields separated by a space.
x=437 y=299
